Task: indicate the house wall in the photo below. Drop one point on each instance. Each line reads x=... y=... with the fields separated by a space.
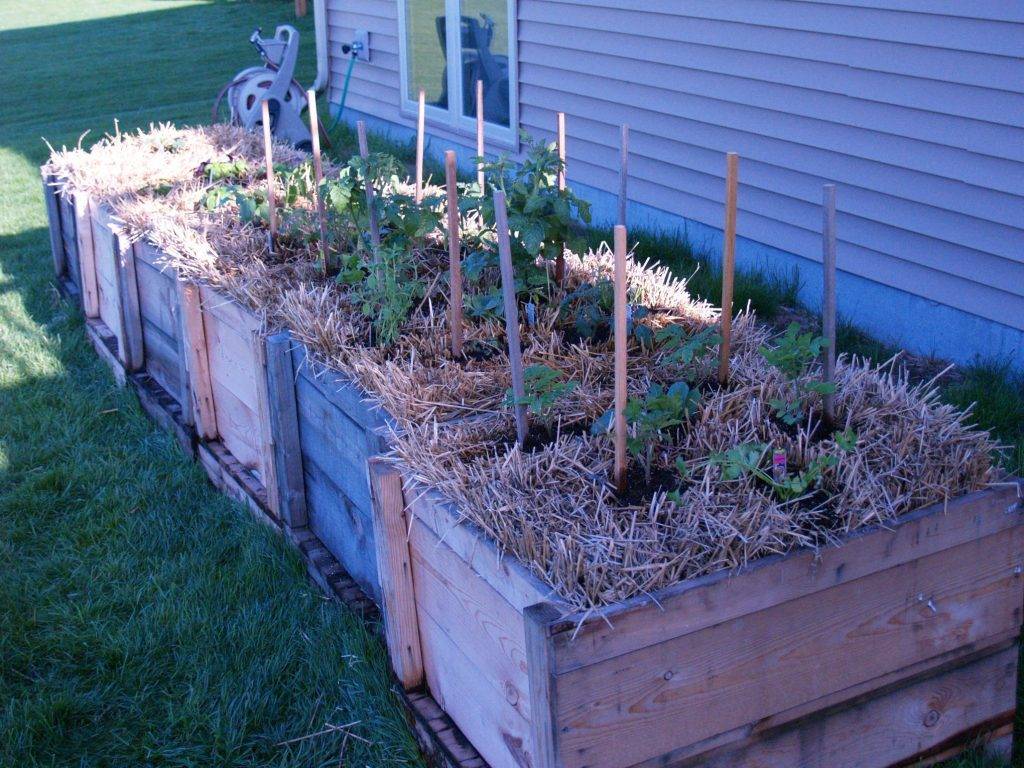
x=914 y=108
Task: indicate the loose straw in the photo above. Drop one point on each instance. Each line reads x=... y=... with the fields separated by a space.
x=728 y=263
x=480 y=146
x=419 y=145
x=454 y=256
x=623 y=173
x=508 y=290
x=828 y=304
x=620 y=358
x=318 y=174
x=364 y=152
x=268 y=149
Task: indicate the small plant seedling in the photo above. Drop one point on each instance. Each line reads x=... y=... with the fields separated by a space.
x=652 y=417
x=389 y=291
x=746 y=458
x=683 y=347
x=591 y=307
x=484 y=305
x=544 y=387
x=795 y=351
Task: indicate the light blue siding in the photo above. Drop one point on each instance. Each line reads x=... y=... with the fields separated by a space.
x=915 y=108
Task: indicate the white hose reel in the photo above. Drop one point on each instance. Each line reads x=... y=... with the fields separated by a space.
x=275 y=82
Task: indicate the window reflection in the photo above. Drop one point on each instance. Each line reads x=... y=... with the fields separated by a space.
x=425 y=31
x=485 y=29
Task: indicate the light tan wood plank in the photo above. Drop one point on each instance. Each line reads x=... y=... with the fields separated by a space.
x=646 y=703
x=200 y=384
x=86 y=256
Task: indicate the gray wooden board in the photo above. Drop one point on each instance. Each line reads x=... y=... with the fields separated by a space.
x=334 y=442
x=163 y=362
x=157 y=297
x=340 y=390
x=53 y=219
x=67 y=232
x=345 y=530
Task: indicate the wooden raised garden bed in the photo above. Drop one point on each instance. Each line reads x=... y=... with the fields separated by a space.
x=902 y=643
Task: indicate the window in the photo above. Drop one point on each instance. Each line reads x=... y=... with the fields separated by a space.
x=446 y=59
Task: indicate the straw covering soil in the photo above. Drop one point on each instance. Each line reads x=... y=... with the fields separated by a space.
x=551 y=504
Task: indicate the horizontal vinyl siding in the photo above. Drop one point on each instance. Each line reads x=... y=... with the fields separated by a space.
x=915 y=108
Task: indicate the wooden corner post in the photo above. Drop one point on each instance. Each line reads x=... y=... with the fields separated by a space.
x=200 y=383
x=540 y=670
x=86 y=255
x=284 y=430
x=132 y=347
x=728 y=263
x=394 y=565
x=60 y=263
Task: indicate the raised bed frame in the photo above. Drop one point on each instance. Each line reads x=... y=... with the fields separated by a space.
x=899 y=646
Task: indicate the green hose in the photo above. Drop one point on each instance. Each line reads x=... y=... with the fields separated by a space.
x=344 y=92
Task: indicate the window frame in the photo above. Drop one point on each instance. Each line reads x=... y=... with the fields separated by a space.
x=452 y=118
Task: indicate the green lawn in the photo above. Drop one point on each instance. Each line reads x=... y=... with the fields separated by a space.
x=144 y=619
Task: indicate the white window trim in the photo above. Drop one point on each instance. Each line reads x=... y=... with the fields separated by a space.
x=452 y=119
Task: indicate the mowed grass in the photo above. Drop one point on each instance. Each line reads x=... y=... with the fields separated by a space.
x=145 y=620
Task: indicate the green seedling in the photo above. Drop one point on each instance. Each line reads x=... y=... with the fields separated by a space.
x=544 y=387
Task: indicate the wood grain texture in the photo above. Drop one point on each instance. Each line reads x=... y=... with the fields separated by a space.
x=268 y=159
x=105 y=260
x=623 y=173
x=200 y=384
x=318 y=175
x=647 y=703
x=946 y=710
x=489 y=630
x=86 y=255
x=133 y=348
x=619 y=425
x=728 y=263
x=706 y=601
x=454 y=253
x=508 y=292
x=284 y=428
x=540 y=652
x=420 y=116
x=60 y=265
x=69 y=236
x=394 y=563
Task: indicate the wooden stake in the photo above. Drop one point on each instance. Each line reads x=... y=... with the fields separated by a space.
x=454 y=254
x=268 y=149
x=318 y=174
x=623 y=173
x=364 y=152
x=828 y=303
x=560 y=128
x=480 y=146
x=560 y=141
x=728 y=262
x=419 y=145
x=508 y=290
x=301 y=8
x=621 y=300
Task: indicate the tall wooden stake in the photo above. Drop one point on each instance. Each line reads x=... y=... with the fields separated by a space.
x=480 y=146
x=318 y=175
x=623 y=173
x=268 y=150
x=621 y=300
x=508 y=290
x=728 y=262
x=364 y=152
x=828 y=303
x=454 y=255
x=420 y=117
x=560 y=141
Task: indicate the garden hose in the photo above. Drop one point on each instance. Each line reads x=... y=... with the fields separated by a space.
x=344 y=88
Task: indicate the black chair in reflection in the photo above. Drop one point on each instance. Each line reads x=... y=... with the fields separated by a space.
x=478 y=63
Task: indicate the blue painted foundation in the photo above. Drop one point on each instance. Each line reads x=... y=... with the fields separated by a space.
x=888 y=314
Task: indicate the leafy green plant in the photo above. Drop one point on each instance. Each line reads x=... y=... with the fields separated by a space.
x=541 y=217
x=794 y=354
x=388 y=292
x=652 y=417
x=484 y=305
x=228 y=169
x=544 y=387
x=682 y=347
x=591 y=307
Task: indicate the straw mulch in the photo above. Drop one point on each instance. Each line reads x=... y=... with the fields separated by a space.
x=551 y=506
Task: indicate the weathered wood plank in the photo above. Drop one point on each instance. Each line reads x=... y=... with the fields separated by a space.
x=345 y=530
x=646 y=703
x=105 y=263
x=490 y=631
x=105 y=344
x=541 y=663
x=157 y=291
x=70 y=238
x=698 y=603
x=200 y=384
x=267 y=464
x=86 y=256
x=887 y=729
x=238 y=424
x=133 y=346
x=341 y=392
x=231 y=348
x=394 y=564
x=498 y=731
x=163 y=362
x=60 y=266
x=335 y=443
x=506 y=575
x=284 y=423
